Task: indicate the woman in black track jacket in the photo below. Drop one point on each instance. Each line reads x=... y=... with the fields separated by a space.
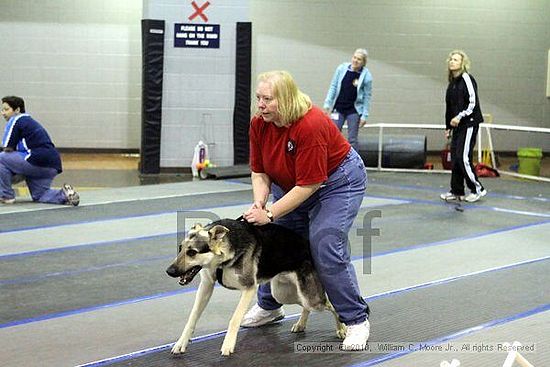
x=462 y=119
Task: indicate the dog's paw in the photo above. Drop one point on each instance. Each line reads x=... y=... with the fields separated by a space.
x=227 y=349
x=341 y=331
x=179 y=347
x=298 y=328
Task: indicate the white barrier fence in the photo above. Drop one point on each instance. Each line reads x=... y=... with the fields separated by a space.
x=487 y=127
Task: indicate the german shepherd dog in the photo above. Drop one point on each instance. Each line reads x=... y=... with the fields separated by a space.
x=241 y=256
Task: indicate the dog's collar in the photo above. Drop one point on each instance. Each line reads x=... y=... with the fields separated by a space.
x=219 y=270
x=224 y=264
x=219 y=276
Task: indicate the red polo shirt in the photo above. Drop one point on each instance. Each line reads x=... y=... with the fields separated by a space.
x=304 y=153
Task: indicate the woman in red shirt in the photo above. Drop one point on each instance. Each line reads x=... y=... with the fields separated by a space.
x=318 y=182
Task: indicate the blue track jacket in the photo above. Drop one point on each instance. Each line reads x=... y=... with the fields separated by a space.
x=28 y=138
x=364 y=90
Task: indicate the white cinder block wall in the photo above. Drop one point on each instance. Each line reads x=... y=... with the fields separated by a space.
x=199 y=84
x=408 y=42
x=77 y=63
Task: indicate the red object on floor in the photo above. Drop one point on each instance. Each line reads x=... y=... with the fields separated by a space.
x=446 y=159
x=483 y=170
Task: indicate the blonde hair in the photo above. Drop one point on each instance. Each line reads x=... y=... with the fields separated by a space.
x=464 y=65
x=292 y=102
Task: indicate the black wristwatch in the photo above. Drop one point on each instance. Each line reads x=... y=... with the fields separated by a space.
x=269 y=215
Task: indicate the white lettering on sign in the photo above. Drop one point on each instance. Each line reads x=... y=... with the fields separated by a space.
x=202 y=35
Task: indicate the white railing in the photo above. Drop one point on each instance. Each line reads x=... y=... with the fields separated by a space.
x=486 y=126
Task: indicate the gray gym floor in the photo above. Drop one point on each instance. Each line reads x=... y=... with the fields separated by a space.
x=86 y=285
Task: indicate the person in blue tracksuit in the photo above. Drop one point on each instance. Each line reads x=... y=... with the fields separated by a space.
x=462 y=118
x=28 y=151
x=348 y=97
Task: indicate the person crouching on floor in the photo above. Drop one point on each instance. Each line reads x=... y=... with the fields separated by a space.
x=28 y=151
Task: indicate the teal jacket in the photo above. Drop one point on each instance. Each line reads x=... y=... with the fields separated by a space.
x=364 y=90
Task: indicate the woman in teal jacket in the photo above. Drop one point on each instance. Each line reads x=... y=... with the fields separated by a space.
x=349 y=94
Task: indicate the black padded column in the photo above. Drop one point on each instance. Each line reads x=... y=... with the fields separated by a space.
x=152 y=43
x=241 y=114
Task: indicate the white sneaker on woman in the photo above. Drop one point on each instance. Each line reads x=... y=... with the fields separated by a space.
x=356 y=336
x=7 y=200
x=449 y=196
x=257 y=316
x=473 y=197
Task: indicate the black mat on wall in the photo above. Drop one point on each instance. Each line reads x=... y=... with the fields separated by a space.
x=241 y=113
x=152 y=40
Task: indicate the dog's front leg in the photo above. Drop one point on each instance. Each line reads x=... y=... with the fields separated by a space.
x=202 y=297
x=230 y=340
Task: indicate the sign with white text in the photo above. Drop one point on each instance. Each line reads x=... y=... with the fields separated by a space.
x=197 y=35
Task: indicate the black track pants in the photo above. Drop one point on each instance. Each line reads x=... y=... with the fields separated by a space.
x=462 y=147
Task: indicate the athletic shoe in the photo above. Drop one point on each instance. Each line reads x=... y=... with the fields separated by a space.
x=7 y=200
x=257 y=316
x=449 y=196
x=473 y=197
x=356 y=336
x=72 y=196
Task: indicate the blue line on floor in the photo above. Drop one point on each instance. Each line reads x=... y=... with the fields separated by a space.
x=43 y=276
x=93 y=308
x=134 y=300
x=368 y=299
x=101 y=243
x=454 y=240
x=433 y=189
x=459 y=334
x=111 y=218
x=87 y=245
x=468 y=206
x=407 y=200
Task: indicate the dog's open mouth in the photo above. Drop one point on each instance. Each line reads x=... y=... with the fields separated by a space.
x=189 y=275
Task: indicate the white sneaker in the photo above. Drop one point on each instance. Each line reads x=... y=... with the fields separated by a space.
x=72 y=196
x=473 y=197
x=449 y=196
x=356 y=336
x=7 y=200
x=257 y=316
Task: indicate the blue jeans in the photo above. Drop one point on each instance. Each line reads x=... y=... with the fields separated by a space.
x=326 y=218
x=38 y=179
x=353 y=127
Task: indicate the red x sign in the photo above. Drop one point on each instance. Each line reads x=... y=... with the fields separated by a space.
x=199 y=11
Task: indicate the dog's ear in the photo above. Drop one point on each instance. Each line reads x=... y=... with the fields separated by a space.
x=197 y=227
x=218 y=232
